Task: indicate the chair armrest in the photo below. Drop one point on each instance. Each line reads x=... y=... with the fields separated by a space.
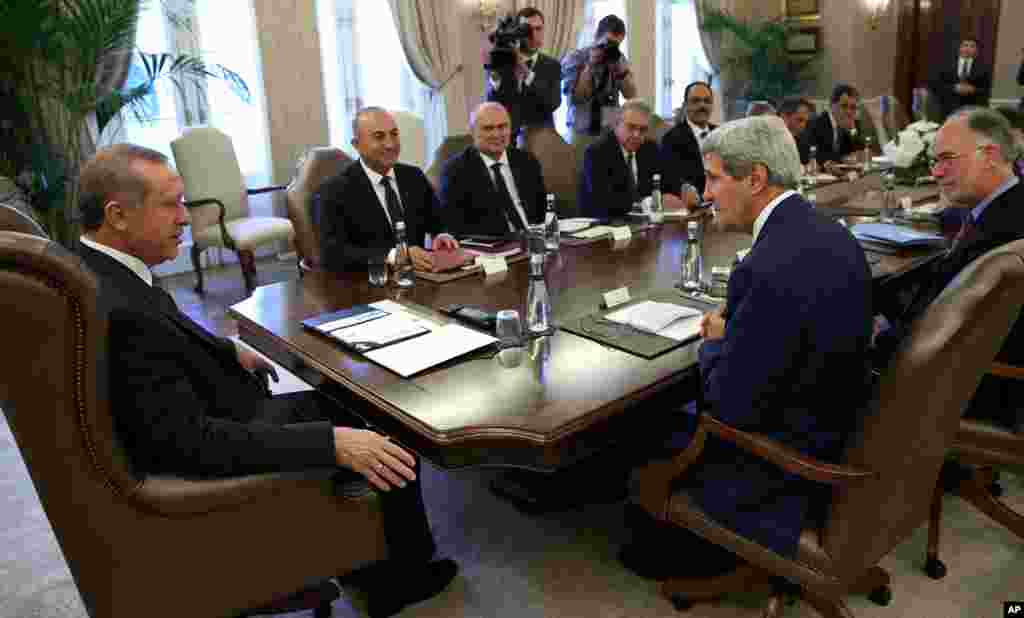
x=654 y=480
x=179 y=497
x=784 y=457
x=1006 y=371
x=229 y=243
x=259 y=190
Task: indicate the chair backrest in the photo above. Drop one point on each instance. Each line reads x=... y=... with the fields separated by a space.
x=314 y=167
x=14 y=220
x=54 y=394
x=413 y=133
x=874 y=112
x=451 y=146
x=921 y=397
x=558 y=163
x=205 y=158
x=659 y=127
x=896 y=118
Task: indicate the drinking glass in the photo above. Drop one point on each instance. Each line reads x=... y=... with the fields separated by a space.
x=509 y=329
x=378 y=273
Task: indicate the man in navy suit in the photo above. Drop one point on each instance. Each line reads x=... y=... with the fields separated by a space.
x=490 y=189
x=968 y=83
x=358 y=208
x=974 y=167
x=680 y=147
x=186 y=402
x=618 y=168
x=834 y=131
x=786 y=357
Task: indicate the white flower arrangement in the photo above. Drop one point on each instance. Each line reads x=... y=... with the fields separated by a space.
x=912 y=151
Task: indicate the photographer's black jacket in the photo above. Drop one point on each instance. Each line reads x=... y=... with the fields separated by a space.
x=534 y=104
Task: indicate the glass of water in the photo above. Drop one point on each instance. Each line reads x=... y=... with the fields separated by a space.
x=509 y=329
x=378 y=270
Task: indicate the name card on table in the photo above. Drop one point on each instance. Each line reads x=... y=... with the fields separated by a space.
x=621 y=232
x=616 y=297
x=906 y=203
x=492 y=265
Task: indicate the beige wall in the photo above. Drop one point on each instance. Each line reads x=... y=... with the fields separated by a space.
x=856 y=53
x=641 y=24
x=1008 y=54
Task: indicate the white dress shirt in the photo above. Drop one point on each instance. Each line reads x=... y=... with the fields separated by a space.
x=697 y=131
x=767 y=212
x=510 y=182
x=495 y=77
x=375 y=179
x=965 y=68
x=133 y=263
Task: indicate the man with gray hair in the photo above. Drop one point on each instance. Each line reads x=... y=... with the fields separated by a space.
x=794 y=332
x=974 y=152
x=618 y=169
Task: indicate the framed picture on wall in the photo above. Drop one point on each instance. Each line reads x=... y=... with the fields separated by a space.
x=802 y=8
x=804 y=41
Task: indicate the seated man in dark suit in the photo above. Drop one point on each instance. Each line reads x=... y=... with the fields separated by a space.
x=490 y=189
x=680 y=147
x=965 y=83
x=619 y=167
x=796 y=112
x=834 y=131
x=786 y=358
x=531 y=89
x=358 y=208
x=974 y=150
x=187 y=403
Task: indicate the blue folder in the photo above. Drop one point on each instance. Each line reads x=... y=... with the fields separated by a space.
x=896 y=235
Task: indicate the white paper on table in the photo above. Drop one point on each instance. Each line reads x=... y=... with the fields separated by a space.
x=683 y=329
x=653 y=317
x=568 y=226
x=594 y=232
x=395 y=326
x=415 y=355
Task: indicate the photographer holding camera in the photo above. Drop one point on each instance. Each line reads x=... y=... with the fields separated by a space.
x=593 y=79
x=520 y=77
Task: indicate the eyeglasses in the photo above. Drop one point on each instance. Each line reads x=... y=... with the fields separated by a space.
x=945 y=159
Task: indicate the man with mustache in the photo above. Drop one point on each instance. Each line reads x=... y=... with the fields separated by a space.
x=680 y=149
x=834 y=131
x=358 y=208
x=974 y=152
x=187 y=403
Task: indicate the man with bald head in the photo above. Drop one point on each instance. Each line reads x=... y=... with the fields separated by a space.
x=359 y=207
x=490 y=189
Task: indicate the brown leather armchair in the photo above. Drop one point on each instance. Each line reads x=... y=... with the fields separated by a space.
x=980 y=447
x=558 y=163
x=222 y=545
x=316 y=166
x=451 y=146
x=884 y=485
x=14 y=220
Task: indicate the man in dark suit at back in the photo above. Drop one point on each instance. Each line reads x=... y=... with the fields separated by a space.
x=834 y=131
x=490 y=189
x=531 y=88
x=974 y=168
x=966 y=83
x=796 y=113
x=618 y=168
x=794 y=332
x=680 y=147
x=187 y=403
x=358 y=208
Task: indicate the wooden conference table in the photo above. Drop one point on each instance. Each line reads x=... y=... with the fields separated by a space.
x=562 y=399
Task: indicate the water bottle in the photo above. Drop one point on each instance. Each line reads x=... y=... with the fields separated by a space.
x=403 y=273
x=657 y=214
x=812 y=165
x=867 y=153
x=693 y=259
x=885 y=213
x=552 y=234
x=538 y=305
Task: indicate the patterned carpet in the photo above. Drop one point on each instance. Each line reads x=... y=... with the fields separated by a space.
x=516 y=566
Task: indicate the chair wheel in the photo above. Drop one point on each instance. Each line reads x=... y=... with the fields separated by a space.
x=323 y=610
x=681 y=603
x=996 y=489
x=935 y=568
x=881 y=595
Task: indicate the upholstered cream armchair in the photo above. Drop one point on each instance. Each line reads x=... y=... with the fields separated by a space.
x=218 y=199
x=413 y=133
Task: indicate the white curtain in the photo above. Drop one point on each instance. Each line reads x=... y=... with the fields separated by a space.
x=344 y=85
x=663 y=60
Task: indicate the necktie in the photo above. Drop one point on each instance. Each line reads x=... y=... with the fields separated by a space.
x=967 y=233
x=391 y=199
x=630 y=158
x=529 y=64
x=703 y=134
x=506 y=198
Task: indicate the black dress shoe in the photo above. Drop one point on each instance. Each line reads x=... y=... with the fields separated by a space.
x=407 y=585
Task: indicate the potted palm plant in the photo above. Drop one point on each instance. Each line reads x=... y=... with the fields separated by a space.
x=756 y=54
x=65 y=61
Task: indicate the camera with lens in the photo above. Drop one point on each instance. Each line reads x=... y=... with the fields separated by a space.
x=610 y=47
x=509 y=37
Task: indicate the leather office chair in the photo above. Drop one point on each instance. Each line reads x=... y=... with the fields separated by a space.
x=314 y=167
x=223 y=545
x=659 y=127
x=413 y=133
x=14 y=220
x=451 y=146
x=218 y=201
x=558 y=164
x=934 y=375
x=980 y=447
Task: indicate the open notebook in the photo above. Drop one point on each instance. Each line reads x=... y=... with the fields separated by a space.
x=666 y=319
